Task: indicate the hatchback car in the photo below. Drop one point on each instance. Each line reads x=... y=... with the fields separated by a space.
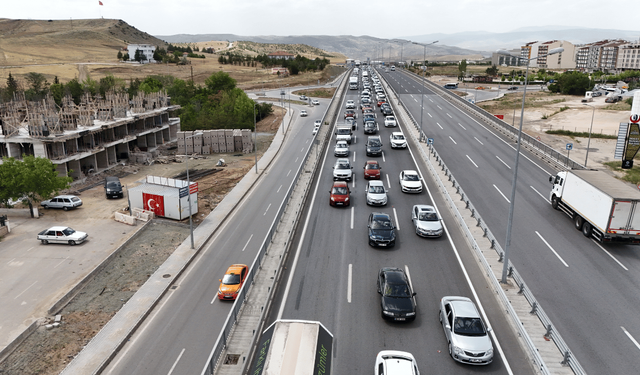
x=397 y=140
x=351 y=104
x=342 y=170
x=317 y=123
x=395 y=362
x=376 y=194
x=315 y=102
x=66 y=202
x=341 y=149
x=390 y=121
x=410 y=182
x=350 y=113
x=370 y=127
x=232 y=281
x=382 y=232
x=303 y=113
x=466 y=334
x=372 y=170
x=397 y=297
x=426 y=221
x=339 y=194
x=374 y=145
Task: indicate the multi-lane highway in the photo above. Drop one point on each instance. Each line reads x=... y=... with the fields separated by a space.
x=589 y=291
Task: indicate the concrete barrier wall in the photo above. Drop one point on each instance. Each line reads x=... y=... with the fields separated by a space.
x=18 y=212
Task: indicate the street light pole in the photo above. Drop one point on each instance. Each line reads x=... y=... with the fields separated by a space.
x=424 y=64
x=590 y=128
x=515 y=168
x=255 y=136
x=189 y=193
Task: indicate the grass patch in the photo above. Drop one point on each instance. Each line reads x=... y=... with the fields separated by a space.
x=619 y=106
x=514 y=100
x=562 y=109
x=571 y=134
x=630 y=175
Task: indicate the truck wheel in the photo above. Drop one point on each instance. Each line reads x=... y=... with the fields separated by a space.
x=586 y=229
x=577 y=220
x=554 y=202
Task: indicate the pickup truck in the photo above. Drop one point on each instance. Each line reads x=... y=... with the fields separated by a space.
x=62 y=235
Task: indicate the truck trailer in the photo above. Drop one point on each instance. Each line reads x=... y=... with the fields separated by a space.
x=353 y=83
x=601 y=206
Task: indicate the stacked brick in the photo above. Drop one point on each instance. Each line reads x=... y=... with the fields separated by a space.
x=220 y=141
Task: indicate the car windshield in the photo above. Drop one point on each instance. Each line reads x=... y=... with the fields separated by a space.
x=343 y=131
x=373 y=166
x=339 y=190
x=374 y=142
x=341 y=145
x=469 y=327
x=342 y=165
x=376 y=189
x=428 y=216
x=398 y=136
x=381 y=223
x=370 y=124
x=231 y=279
x=396 y=290
x=411 y=177
x=68 y=231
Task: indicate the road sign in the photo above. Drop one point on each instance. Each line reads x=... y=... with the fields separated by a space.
x=635 y=118
x=569 y=146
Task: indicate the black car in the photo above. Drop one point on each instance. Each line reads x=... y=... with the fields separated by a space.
x=113 y=187
x=396 y=295
x=374 y=145
x=512 y=88
x=370 y=127
x=386 y=110
x=382 y=232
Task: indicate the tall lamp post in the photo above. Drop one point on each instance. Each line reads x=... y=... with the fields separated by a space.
x=255 y=136
x=189 y=192
x=424 y=64
x=515 y=169
x=590 y=128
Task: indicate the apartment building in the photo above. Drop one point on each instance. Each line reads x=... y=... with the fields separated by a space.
x=628 y=57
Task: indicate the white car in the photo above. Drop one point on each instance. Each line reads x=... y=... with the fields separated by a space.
x=397 y=140
x=395 y=362
x=376 y=193
x=62 y=235
x=467 y=337
x=303 y=97
x=426 y=221
x=410 y=182
x=66 y=202
x=351 y=104
x=315 y=102
x=390 y=121
x=341 y=149
x=342 y=170
x=303 y=113
x=317 y=123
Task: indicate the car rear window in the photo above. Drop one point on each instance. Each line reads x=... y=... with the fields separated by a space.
x=231 y=279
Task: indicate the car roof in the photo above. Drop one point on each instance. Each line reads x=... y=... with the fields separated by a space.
x=376 y=183
x=372 y=162
x=235 y=269
x=65 y=196
x=58 y=228
x=381 y=215
x=394 y=275
x=409 y=171
x=340 y=184
x=425 y=208
x=463 y=306
x=374 y=137
x=342 y=160
x=397 y=133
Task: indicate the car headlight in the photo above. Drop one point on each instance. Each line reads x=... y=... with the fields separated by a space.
x=346 y=199
x=457 y=350
x=489 y=352
x=411 y=314
x=387 y=313
x=333 y=199
x=219 y=291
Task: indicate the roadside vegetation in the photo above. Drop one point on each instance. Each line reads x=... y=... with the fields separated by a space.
x=630 y=175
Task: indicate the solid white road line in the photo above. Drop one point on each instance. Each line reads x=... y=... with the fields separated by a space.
x=502 y=161
x=543 y=197
x=265 y=211
x=611 y=255
x=249 y=240
x=440 y=125
x=352 y=215
x=503 y=196
x=62 y=261
x=454 y=142
x=279 y=189
x=29 y=287
x=630 y=337
x=468 y=157
x=388 y=183
x=478 y=141
x=462 y=126
x=558 y=255
x=349 y=279
x=176 y=362
x=395 y=216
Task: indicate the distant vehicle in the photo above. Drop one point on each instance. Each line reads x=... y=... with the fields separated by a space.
x=343 y=133
x=480 y=88
x=390 y=121
x=315 y=130
x=596 y=93
x=381 y=230
x=113 y=187
x=386 y=109
x=341 y=149
x=315 y=102
x=394 y=362
x=317 y=123
x=381 y=101
x=350 y=113
x=339 y=194
x=232 y=281
x=451 y=86
x=372 y=170
x=467 y=337
x=512 y=88
x=426 y=221
x=370 y=127
x=66 y=202
x=368 y=117
x=393 y=68
x=374 y=145
x=397 y=140
x=62 y=235
x=303 y=97
x=376 y=193
x=303 y=113
x=353 y=83
x=410 y=182
x=342 y=170
x=350 y=104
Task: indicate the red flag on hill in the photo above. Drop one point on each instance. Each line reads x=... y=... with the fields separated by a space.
x=100 y=2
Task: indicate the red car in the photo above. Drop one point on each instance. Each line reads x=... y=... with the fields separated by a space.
x=372 y=170
x=366 y=107
x=350 y=113
x=339 y=194
x=380 y=102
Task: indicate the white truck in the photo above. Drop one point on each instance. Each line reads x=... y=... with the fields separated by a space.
x=600 y=205
x=353 y=83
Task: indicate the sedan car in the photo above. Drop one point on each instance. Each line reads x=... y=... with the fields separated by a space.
x=342 y=170
x=374 y=145
x=426 y=221
x=62 y=235
x=512 y=88
x=395 y=362
x=66 y=202
x=386 y=109
x=410 y=182
x=370 y=127
x=368 y=117
x=339 y=194
x=390 y=121
x=372 y=170
x=303 y=113
x=350 y=113
x=315 y=102
x=397 y=296
x=467 y=337
x=351 y=104
x=382 y=232
x=232 y=281
x=341 y=149
x=376 y=194
x=397 y=140
x=303 y=97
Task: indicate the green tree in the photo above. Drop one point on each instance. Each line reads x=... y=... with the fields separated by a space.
x=32 y=178
x=571 y=83
x=151 y=84
x=126 y=57
x=138 y=56
x=220 y=81
x=462 y=67
x=492 y=71
x=12 y=87
x=75 y=89
x=119 y=56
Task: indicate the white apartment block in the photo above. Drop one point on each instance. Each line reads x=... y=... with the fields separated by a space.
x=146 y=49
x=628 y=57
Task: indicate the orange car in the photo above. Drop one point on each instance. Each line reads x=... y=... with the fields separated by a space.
x=232 y=282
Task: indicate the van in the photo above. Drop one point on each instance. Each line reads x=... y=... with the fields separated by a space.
x=451 y=86
x=343 y=133
x=113 y=187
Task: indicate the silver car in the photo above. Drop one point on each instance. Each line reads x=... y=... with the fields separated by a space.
x=341 y=149
x=467 y=337
x=65 y=202
x=376 y=193
x=426 y=221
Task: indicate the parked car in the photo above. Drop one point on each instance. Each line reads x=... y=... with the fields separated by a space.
x=466 y=334
x=303 y=113
x=372 y=170
x=410 y=182
x=397 y=140
x=397 y=298
x=232 y=281
x=62 y=235
x=342 y=170
x=426 y=221
x=390 y=121
x=596 y=94
x=66 y=202
x=376 y=194
x=374 y=145
x=315 y=102
x=382 y=232
x=341 y=149
x=339 y=194
x=113 y=187
x=395 y=362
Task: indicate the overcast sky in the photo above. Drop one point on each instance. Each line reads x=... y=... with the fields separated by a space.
x=378 y=18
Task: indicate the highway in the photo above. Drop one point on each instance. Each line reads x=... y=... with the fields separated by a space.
x=588 y=290
x=178 y=335
x=334 y=280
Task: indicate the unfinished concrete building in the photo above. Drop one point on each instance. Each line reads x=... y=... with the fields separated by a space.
x=90 y=137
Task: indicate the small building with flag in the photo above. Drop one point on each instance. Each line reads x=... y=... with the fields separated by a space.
x=165 y=197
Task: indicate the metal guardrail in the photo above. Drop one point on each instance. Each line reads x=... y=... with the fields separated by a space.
x=552 y=333
x=230 y=323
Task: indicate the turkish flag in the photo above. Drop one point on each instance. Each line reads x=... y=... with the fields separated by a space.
x=100 y=2
x=154 y=203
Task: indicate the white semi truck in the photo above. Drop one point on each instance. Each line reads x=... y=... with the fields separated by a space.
x=353 y=83
x=600 y=205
